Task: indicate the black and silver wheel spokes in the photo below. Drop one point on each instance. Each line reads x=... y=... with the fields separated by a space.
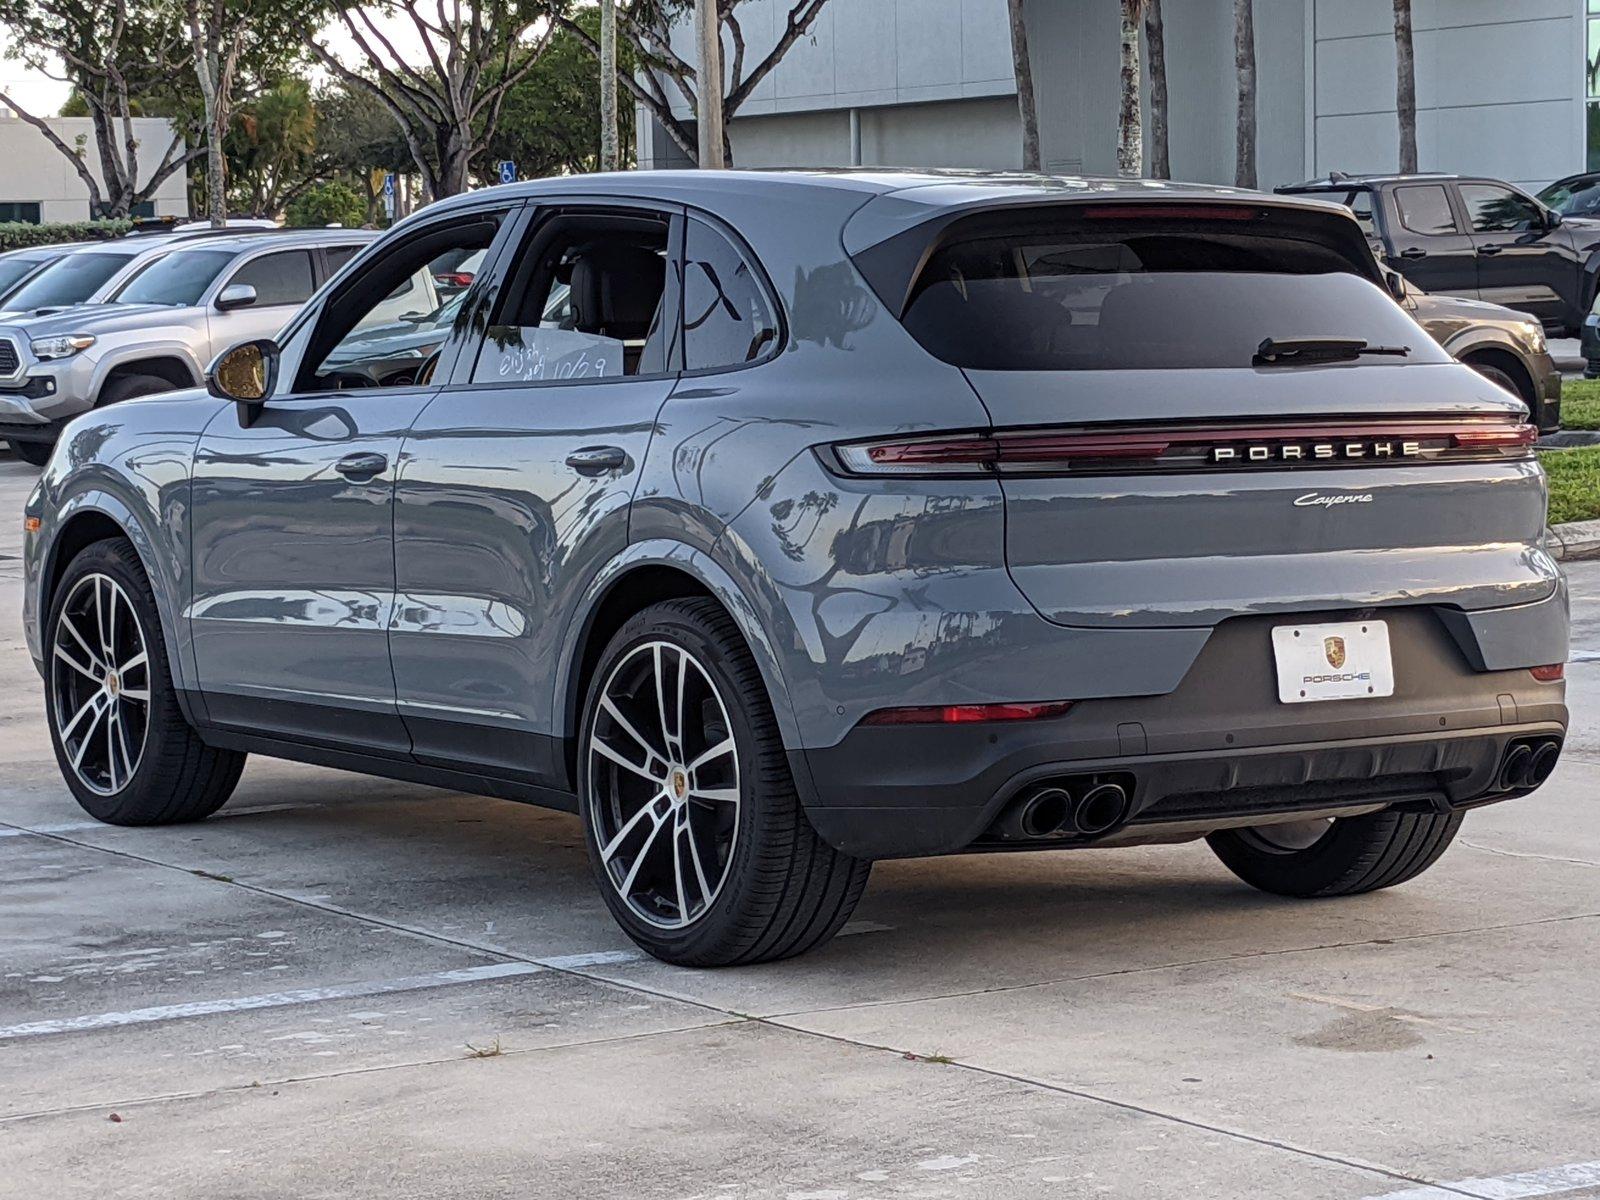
x=664 y=785
x=100 y=684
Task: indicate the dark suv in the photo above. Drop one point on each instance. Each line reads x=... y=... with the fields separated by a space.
x=1479 y=238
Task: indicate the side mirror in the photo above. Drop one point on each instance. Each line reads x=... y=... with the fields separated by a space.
x=1396 y=283
x=1553 y=219
x=245 y=374
x=236 y=295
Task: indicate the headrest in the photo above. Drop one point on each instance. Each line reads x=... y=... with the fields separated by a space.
x=615 y=290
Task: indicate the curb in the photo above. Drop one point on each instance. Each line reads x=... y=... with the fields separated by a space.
x=1574 y=541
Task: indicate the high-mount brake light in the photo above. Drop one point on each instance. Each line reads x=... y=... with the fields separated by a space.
x=967 y=714
x=1137 y=211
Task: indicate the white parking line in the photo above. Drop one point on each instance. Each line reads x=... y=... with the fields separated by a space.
x=1551 y=1181
x=315 y=995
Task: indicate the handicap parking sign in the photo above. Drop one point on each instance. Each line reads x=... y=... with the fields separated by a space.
x=508 y=171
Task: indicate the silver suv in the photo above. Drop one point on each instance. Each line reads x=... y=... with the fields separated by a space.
x=158 y=320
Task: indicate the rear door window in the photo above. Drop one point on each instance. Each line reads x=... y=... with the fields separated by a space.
x=727 y=318
x=1426 y=210
x=1073 y=298
x=282 y=278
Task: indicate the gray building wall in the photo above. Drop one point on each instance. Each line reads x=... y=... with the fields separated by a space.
x=1500 y=87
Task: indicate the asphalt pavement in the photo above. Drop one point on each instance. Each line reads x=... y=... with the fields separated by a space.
x=345 y=987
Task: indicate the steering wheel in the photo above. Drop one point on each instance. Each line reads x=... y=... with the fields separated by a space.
x=429 y=365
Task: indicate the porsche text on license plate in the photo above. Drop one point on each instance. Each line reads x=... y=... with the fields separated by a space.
x=1347 y=661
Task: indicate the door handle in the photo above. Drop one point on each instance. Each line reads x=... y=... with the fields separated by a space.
x=1414 y=252
x=1490 y=249
x=361 y=467
x=596 y=460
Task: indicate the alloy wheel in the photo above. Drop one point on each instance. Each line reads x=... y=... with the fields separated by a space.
x=663 y=784
x=100 y=684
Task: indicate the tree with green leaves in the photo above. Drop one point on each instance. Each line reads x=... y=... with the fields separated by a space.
x=327 y=202
x=271 y=148
x=547 y=125
x=644 y=26
x=111 y=52
x=447 y=99
x=357 y=140
x=236 y=46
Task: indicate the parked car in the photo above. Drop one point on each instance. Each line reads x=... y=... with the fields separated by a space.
x=160 y=326
x=1499 y=343
x=1574 y=196
x=835 y=517
x=17 y=266
x=454 y=272
x=1479 y=238
x=89 y=272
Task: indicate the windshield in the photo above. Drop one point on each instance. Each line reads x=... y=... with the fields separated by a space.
x=180 y=278
x=1144 y=301
x=69 y=280
x=1578 y=198
x=14 y=270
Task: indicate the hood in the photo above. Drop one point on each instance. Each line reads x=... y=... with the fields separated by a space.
x=95 y=318
x=1431 y=307
x=386 y=341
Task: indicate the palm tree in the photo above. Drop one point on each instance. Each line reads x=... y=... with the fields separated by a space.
x=1156 y=40
x=1130 y=134
x=1027 y=108
x=1405 y=84
x=1244 y=61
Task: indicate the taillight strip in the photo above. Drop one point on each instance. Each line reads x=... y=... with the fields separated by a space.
x=1213 y=447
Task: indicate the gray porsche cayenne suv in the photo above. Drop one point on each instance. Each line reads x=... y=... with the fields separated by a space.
x=829 y=518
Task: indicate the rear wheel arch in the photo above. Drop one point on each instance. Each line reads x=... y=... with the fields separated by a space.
x=667 y=571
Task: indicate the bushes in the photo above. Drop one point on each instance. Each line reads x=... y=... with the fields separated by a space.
x=14 y=235
x=333 y=202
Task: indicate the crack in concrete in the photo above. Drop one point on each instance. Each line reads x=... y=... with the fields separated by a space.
x=1577 y=862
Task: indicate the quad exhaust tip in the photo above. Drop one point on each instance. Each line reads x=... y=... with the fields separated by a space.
x=1528 y=764
x=1067 y=809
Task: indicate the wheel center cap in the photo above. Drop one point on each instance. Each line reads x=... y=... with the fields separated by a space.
x=679 y=781
x=113 y=684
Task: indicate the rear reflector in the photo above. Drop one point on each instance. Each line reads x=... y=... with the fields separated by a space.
x=967 y=714
x=1550 y=673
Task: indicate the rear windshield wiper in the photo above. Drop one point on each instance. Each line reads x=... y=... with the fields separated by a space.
x=1286 y=352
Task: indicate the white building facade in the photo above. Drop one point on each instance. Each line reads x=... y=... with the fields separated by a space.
x=38 y=184
x=1504 y=87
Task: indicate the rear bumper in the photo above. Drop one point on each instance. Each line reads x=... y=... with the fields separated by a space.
x=1219 y=750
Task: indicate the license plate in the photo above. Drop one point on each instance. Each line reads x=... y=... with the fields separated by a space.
x=1347 y=661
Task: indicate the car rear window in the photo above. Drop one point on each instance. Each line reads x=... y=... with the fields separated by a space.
x=1073 y=298
x=69 y=280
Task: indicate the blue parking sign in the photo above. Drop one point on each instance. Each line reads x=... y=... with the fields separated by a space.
x=388 y=185
x=508 y=171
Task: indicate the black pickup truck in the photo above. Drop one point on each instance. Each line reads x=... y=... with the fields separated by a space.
x=1478 y=238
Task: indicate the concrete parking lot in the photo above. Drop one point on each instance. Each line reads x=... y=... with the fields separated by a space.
x=341 y=986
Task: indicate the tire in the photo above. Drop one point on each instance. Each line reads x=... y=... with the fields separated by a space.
x=1500 y=378
x=1353 y=854
x=657 y=807
x=152 y=768
x=126 y=387
x=35 y=454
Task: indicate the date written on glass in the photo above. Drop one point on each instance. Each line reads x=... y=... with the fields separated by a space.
x=534 y=355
